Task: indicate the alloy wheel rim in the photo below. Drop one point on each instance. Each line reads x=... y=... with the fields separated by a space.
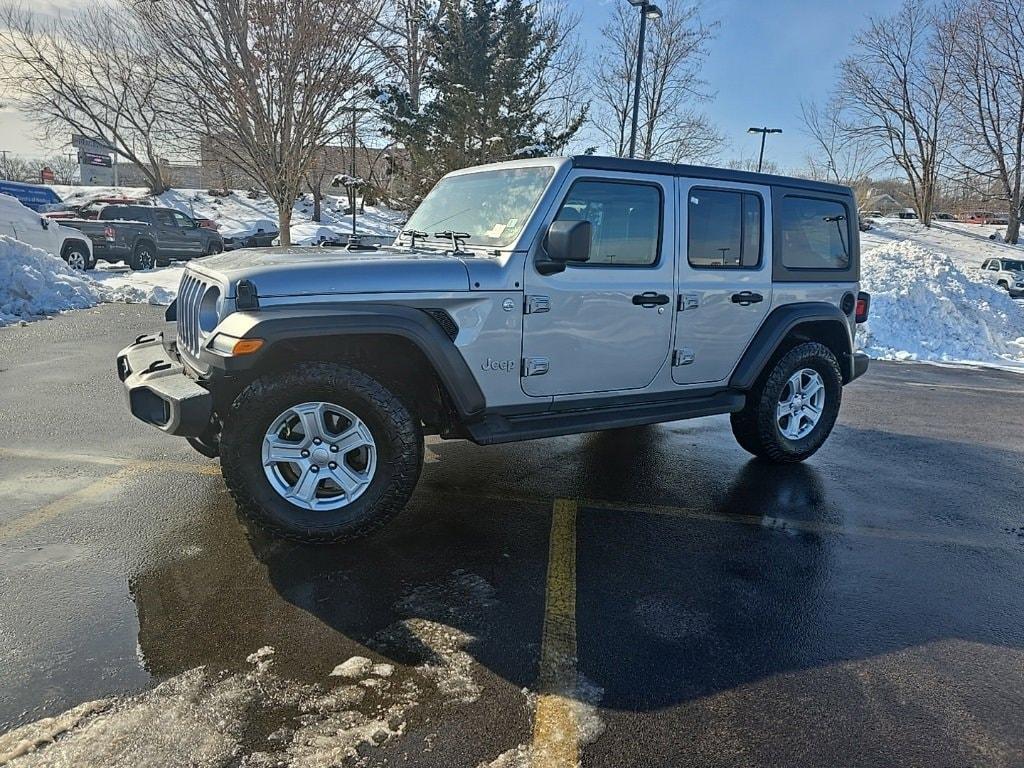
x=319 y=456
x=76 y=260
x=801 y=404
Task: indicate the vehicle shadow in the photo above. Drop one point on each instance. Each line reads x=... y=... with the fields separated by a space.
x=696 y=572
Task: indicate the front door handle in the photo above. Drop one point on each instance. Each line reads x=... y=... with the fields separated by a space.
x=746 y=298
x=651 y=299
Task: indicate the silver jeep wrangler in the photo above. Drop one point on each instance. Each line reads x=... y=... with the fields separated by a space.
x=524 y=300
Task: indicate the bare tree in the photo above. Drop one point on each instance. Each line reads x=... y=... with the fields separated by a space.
x=267 y=80
x=671 y=127
x=89 y=72
x=895 y=90
x=402 y=36
x=64 y=167
x=988 y=70
x=16 y=168
x=840 y=154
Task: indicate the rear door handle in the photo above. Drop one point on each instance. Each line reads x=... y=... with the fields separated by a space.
x=651 y=299
x=746 y=298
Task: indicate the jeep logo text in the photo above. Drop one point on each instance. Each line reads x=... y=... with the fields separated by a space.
x=506 y=366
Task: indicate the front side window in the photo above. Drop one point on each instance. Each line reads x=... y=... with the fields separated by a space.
x=815 y=234
x=164 y=218
x=626 y=219
x=724 y=229
x=182 y=220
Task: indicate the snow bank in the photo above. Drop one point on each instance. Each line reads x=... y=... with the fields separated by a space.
x=925 y=307
x=34 y=284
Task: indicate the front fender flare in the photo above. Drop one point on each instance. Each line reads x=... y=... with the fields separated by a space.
x=277 y=326
x=777 y=327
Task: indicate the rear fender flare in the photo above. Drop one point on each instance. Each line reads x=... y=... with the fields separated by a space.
x=776 y=329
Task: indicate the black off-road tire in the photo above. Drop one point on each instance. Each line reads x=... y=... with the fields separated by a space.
x=395 y=430
x=756 y=427
x=143 y=257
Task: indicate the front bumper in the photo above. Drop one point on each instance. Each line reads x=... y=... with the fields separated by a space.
x=159 y=393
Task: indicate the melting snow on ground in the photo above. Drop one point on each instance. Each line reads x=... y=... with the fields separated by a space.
x=926 y=307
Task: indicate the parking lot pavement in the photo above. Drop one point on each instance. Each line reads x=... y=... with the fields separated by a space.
x=643 y=597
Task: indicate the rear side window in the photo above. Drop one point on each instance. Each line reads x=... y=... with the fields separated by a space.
x=724 y=229
x=815 y=233
x=626 y=218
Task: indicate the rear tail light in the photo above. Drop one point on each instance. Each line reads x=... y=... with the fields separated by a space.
x=108 y=232
x=863 y=307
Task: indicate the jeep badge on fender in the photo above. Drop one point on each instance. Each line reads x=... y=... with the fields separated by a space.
x=662 y=292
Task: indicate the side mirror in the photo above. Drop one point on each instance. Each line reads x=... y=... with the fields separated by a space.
x=567 y=241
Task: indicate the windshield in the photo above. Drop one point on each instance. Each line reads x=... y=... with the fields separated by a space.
x=1013 y=266
x=490 y=207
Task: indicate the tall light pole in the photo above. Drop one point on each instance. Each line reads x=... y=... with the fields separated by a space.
x=647 y=11
x=764 y=134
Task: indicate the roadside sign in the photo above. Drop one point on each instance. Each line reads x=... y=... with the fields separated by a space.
x=96 y=160
x=93 y=146
x=46 y=175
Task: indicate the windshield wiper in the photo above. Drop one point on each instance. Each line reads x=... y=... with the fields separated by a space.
x=413 y=234
x=458 y=238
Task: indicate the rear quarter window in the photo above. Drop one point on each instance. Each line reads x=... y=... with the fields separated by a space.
x=815 y=234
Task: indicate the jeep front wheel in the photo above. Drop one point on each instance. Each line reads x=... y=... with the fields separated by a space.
x=791 y=410
x=321 y=453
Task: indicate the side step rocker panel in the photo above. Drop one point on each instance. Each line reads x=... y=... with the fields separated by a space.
x=495 y=428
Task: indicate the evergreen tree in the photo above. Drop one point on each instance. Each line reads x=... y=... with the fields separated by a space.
x=485 y=92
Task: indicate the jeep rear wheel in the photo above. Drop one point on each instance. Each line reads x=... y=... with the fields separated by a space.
x=791 y=410
x=321 y=453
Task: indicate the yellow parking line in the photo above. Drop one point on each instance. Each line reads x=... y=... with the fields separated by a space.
x=66 y=503
x=111 y=461
x=555 y=730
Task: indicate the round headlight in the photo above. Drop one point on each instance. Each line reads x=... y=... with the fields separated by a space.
x=209 y=309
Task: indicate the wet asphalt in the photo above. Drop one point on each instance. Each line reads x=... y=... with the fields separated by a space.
x=865 y=608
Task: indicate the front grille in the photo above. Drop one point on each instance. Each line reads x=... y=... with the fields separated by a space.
x=190 y=294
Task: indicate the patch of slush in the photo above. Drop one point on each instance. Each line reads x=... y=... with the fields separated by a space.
x=582 y=696
x=208 y=720
x=924 y=307
x=203 y=719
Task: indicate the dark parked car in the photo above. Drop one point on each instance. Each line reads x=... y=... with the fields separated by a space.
x=144 y=236
x=258 y=239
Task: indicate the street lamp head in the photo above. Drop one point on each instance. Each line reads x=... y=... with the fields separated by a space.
x=652 y=12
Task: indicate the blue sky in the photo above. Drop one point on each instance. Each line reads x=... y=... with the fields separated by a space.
x=767 y=57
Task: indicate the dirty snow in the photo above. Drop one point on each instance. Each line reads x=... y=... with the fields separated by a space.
x=926 y=306
x=257 y=719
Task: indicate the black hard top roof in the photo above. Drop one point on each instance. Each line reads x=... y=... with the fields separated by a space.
x=626 y=165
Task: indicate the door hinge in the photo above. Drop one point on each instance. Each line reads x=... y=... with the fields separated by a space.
x=537 y=304
x=535 y=366
x=683 y=357
x=688 y=301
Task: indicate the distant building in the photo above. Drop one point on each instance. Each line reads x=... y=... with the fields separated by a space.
x=882 y=202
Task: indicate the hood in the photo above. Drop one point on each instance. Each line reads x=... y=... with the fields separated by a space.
x=305 y=271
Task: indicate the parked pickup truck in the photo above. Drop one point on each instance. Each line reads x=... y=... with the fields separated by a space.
x=524 y=300
x=144 y=236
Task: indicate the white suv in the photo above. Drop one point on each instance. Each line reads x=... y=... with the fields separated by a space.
x=1006 y=273
x=26 y=225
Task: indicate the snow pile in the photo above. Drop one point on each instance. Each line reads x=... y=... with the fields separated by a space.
x=925 y=307
x=34 y=284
